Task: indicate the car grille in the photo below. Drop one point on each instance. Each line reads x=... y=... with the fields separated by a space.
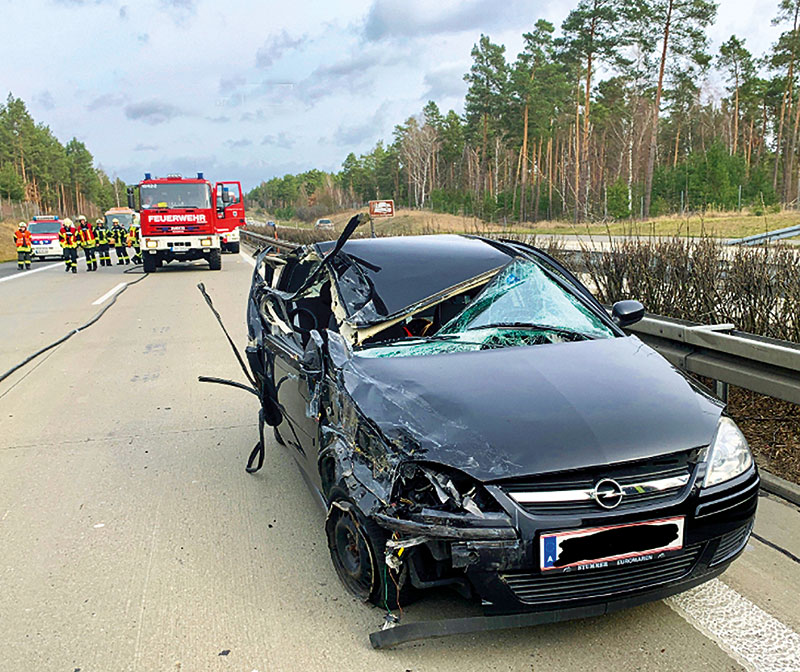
x=731 y=543
x=535 y=588
x=567 y=493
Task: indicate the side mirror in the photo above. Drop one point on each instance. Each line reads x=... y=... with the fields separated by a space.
x=130 y=198
x=626 y=313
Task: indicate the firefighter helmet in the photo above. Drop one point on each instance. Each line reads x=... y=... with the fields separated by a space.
x=67 y=223
x=115 y=221
x=23 y=225
x=81 y=218
x=99 y=220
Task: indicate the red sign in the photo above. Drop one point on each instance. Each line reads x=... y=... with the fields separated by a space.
x=381 y=208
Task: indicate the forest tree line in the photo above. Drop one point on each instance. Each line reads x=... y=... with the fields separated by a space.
x=612 y=115
x=35 y=168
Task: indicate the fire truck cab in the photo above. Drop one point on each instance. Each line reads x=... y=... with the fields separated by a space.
x=179 y=218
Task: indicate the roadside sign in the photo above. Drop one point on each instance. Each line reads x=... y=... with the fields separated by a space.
x=381 y=208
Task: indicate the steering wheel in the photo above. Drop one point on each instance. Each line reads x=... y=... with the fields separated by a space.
x=296 y=311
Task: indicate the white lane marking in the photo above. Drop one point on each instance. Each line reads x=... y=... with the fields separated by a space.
x=25 y=274
x=757 y=640
x=248 y=258
x=109 y=294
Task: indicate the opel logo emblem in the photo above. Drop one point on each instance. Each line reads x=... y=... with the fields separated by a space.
x=607 y=493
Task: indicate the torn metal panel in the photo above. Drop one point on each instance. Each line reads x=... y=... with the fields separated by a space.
x=376 y=326
x=434 y=531
x=428 y=265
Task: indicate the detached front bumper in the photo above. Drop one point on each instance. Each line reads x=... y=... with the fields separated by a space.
x=453 y=626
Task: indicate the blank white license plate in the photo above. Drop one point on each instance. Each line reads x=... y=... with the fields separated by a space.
x=611 y=546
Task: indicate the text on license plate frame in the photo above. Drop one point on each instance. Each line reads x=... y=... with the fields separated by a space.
x=551 y=545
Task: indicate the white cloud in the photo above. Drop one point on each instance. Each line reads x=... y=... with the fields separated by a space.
x=175 y=85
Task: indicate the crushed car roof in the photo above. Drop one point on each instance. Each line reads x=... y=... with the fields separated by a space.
x=401 y=271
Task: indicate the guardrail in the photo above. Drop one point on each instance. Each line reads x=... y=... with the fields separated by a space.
x=764 y=365
x=777 y=234
x=260 y=240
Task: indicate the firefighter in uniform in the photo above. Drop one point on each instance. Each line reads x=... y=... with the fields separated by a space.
x=62 y=239
x=133 y=241
x=103 y=252
x=69 y=242
x=88 y=242
x=119 y=239
x=22 y=239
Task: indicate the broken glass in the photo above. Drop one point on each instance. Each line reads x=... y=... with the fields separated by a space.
x=521 y=306
x=522 y=294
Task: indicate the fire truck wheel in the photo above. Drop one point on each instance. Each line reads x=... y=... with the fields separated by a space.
x=215 y=260
x=149 y=263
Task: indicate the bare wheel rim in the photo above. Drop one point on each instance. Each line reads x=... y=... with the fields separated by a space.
x=352 y=555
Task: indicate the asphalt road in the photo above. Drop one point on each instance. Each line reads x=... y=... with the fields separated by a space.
x=131 y=537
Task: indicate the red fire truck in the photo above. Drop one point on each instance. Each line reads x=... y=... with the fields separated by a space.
x=180 y=218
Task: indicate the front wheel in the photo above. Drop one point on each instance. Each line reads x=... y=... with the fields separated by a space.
x=149 y=263
x=357 y=547
x=215 y=260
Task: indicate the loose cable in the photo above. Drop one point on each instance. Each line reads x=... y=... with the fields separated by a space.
x=69 y=335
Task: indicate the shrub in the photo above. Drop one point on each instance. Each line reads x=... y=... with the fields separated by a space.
x=618 y=200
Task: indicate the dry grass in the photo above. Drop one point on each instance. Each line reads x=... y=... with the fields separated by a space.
x=713 y=224
x=8 y=250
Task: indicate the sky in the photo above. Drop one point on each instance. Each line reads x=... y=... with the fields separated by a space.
x=248 y=90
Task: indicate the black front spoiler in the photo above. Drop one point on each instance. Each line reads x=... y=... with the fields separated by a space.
x=399 y=634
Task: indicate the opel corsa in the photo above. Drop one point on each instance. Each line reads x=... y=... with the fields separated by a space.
x=470 y=416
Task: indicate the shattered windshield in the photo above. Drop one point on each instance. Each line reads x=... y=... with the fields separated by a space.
x=521 y=306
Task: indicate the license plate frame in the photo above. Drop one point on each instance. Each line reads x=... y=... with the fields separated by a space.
x=658 y=532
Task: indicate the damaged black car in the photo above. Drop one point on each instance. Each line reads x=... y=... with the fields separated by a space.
x=470 y=416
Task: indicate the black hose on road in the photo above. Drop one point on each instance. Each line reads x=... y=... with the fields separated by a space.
x=54 y=344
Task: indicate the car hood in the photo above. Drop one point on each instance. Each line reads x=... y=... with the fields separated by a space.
x=528 y=410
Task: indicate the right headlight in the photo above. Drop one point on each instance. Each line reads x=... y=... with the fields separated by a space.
x=729 y=455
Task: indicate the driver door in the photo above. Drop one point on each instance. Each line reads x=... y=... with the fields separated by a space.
x=230 y=204
x=297 y=378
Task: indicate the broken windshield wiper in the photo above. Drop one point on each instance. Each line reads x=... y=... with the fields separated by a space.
x=416 y=340
x=532 y=326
